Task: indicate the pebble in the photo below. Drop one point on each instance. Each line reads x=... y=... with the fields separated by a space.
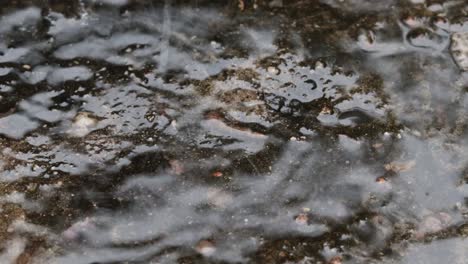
x=177 y=167
x=302 y=219
x=381 y=180
x=433 y=223
x=319 y=65
x=215 y=45
x=400 y=166
x=459 y=49
x=82 y=124
x=326 y=110
x=205 y=248
x=335 y=260
x=217 y=174
x=273 y=70
x=241 y=5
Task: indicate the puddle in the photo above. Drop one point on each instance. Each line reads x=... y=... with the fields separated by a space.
x=244 y=132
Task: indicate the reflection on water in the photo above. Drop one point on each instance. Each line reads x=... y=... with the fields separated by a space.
x=244 y=132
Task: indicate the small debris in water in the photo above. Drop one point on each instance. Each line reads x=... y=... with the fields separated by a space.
x=302 y=219
x=75 y=231
x=82 y=124
x=326 y=110
x=217 y=174
x=400 y=166
x=241 y=5
x=381 y=179
x=282 y=254
x=273 y=70
x=336 y=260
x=459 y=49
x=205 y=248
x=433 y=223
x=150 y=116
x=319 y=65
x=215 y=45
x=219 y=197
x=177 y=167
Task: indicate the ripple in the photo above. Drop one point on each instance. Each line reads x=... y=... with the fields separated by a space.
x=285 y=132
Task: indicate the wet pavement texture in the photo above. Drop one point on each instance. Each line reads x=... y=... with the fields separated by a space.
x=248 y=131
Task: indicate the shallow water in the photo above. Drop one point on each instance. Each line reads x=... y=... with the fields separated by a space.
x=234 y=132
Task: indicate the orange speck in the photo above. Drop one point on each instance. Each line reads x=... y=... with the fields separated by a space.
x=302 y=219
x=326 y=110
x=217 y=174
x=205 y=248
x=381 y=180
x=336 y=260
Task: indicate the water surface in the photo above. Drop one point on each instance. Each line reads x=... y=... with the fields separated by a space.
x=234 y=131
